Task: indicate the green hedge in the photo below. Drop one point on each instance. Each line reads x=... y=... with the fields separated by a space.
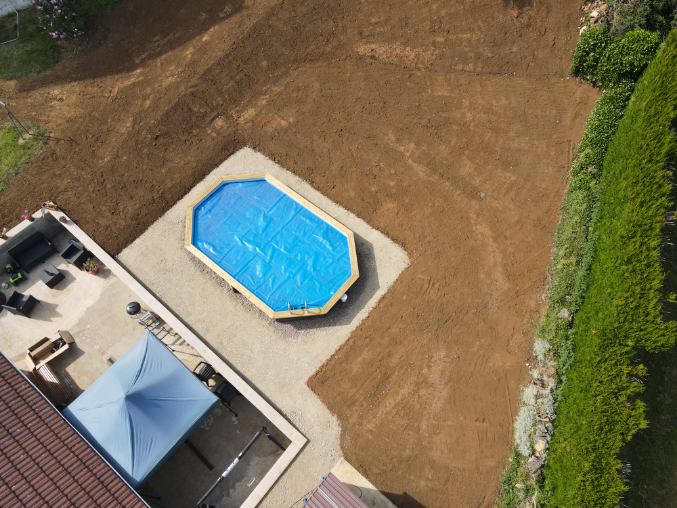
x=599 y=408
x=624 y=59
x=589 y=52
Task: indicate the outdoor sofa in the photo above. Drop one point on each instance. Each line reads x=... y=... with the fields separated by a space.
x=32 y=250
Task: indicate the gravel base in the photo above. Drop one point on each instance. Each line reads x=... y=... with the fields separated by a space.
x=276 y=357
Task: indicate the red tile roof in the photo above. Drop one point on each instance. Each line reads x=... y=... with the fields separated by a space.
x=43 y=460
x=331 y=493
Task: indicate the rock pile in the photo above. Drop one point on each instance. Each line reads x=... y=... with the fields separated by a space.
x=538 y=402
x=593 y=13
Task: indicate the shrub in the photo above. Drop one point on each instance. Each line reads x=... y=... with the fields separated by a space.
x=60 y=18
x=599 y=409
x=601 y=128
x=67 y=19
x=624 y=59
x=589 y=52
x=626 y=15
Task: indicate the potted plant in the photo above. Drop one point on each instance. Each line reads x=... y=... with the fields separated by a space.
x=91 y=266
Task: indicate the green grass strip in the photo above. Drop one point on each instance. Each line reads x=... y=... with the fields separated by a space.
x=15 y=153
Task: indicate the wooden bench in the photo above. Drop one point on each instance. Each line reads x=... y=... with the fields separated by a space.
x=46 y=349
x=43 y=376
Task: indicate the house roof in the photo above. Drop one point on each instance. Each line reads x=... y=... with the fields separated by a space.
x=331 y=493
x=43 y=460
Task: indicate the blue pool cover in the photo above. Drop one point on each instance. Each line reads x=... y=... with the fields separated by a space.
x=283 y=253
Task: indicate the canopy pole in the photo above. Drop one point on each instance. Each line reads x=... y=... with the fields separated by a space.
x=263 y=430
x=199 y=454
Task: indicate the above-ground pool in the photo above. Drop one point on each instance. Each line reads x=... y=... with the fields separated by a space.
x=279 y=250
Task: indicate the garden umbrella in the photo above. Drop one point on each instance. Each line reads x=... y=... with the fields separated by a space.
x=141 y=409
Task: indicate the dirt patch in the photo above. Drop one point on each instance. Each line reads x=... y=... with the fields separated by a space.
x=448 y=127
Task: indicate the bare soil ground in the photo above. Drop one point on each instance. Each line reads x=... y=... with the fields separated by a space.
x=449 y=126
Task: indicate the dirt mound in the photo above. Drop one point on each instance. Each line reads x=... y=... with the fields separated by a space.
x=448 y=126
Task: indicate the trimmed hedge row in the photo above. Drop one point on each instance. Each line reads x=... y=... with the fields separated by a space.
x=599 y=408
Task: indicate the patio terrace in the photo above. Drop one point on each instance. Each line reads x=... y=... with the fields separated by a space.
x=93 y=309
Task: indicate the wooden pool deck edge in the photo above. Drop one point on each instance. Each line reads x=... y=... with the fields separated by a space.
x=233 y=282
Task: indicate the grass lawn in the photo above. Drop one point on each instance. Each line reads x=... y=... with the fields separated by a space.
x=32 y=53
x=15 y=153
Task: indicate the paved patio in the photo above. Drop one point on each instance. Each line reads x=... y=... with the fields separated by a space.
x=90 y=307
x=275 y=356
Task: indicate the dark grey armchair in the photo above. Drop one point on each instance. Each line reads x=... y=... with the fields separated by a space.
x=19 y=303
x=75 y=253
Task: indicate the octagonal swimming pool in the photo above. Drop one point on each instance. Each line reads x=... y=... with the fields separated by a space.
x=286 y=255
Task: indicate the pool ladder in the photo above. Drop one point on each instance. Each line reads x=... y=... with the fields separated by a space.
x=301 y=310
x=305 y=310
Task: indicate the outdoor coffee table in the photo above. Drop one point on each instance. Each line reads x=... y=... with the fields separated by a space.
x=51 y=275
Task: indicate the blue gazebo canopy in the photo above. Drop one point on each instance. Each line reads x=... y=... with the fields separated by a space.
x=141 y=409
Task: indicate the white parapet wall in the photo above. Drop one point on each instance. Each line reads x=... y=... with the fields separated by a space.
x=9 y=6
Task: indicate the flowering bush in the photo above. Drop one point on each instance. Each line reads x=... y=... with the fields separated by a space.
x=61 y=19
